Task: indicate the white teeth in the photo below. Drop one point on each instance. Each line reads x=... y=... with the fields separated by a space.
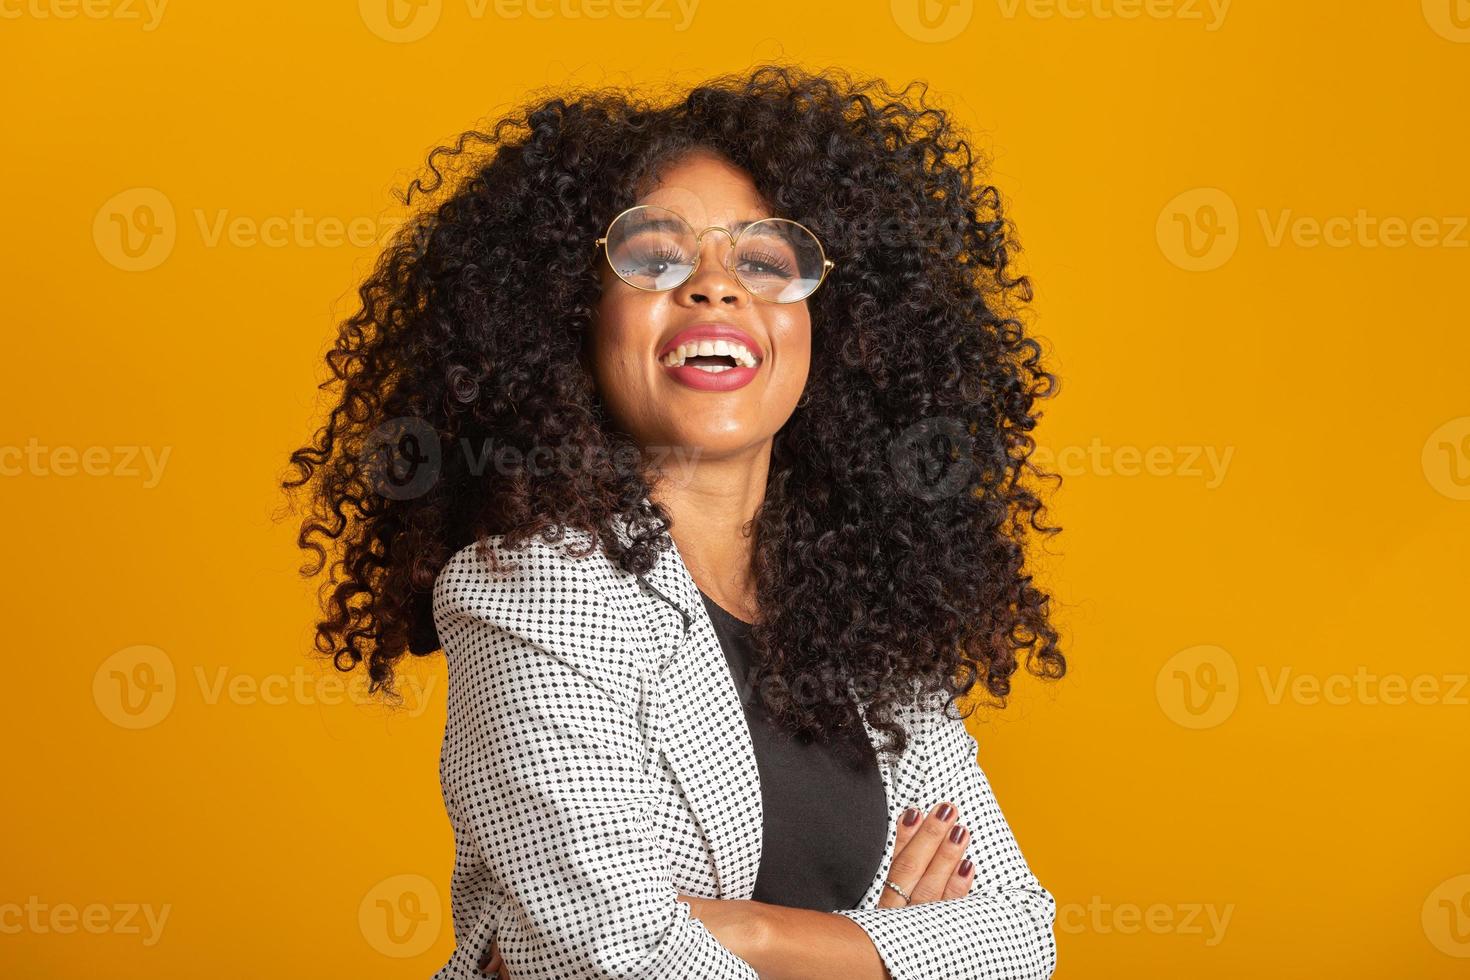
x=730 y=348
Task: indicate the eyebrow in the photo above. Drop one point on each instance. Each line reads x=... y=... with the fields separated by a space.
x=667 y=224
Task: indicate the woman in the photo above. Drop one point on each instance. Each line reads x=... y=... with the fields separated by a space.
x=695 y=435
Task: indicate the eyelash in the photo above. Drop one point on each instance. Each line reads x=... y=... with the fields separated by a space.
x=774 y=262
x=664 y=254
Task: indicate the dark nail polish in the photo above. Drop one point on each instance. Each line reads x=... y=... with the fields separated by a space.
x=965 y=868
x=958 y=833
x=910 y=817
x=944 y=811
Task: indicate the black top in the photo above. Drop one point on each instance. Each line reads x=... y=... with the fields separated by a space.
x=826 y=816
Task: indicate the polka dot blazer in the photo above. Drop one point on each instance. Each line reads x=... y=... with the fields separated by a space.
x=596 y=760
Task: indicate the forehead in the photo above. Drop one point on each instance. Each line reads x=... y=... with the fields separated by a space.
x=705 y=189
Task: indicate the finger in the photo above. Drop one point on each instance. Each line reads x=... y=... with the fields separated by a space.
x=961 y=881
x=910 y=864
x=492 y=963
x=909 y=823
x=943 y=865
x=908 y=826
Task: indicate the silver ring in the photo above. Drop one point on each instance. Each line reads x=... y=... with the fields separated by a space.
x=889 y=883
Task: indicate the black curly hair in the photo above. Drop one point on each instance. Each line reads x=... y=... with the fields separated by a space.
x=890 y=546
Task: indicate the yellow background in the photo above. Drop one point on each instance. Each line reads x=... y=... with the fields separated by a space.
x=1192 y=816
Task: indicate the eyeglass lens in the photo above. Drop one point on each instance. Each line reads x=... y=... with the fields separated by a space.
x=654 y=248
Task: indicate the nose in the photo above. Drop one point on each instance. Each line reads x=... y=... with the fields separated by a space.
x=712 y=282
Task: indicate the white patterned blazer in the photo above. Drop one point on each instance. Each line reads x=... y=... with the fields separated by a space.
x=596 y=759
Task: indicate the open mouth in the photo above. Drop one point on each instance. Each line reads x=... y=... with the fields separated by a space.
x=711 y=356
x=712 y=364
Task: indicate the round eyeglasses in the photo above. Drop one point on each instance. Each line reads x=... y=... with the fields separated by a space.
x=775 y=259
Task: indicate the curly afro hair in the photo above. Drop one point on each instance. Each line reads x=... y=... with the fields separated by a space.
x=890 y=546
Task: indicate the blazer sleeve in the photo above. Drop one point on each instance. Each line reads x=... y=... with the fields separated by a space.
x=1003 y=928
x=544 y=783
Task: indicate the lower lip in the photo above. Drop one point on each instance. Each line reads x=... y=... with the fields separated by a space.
x=693 y=377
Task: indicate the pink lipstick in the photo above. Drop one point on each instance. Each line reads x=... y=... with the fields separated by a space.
x=711 y=357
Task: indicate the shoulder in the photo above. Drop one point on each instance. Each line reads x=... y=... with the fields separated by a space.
x=486 y=573
x=938 y=726
x=538 y=601
x=951 y=751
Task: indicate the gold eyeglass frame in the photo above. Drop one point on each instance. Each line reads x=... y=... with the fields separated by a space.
x=827 y=264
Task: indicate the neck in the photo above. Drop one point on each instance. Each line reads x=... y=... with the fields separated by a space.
x=711 y=503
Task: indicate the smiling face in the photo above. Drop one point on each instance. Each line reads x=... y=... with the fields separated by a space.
x=756 y=354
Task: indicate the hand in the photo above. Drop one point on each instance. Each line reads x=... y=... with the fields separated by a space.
x=926 y=859
x=493 y=965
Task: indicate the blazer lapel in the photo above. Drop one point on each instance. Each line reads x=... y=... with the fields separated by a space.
x=705 y=735
x=707 y=740
x=898 y=791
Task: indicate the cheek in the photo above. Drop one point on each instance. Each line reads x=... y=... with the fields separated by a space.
x=795 y=340
x=608 y=327
x=617 y=345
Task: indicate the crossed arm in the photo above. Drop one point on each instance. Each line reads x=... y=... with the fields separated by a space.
x=791 y=944
x=1011 y=915
x=587 y=890
x=779 y=943
x=999 y=927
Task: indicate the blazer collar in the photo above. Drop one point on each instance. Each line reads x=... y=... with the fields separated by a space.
x=719 y=775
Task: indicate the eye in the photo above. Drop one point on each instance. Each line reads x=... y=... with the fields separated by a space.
x=662 y=255
x=653 y=263
x=761 y=263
